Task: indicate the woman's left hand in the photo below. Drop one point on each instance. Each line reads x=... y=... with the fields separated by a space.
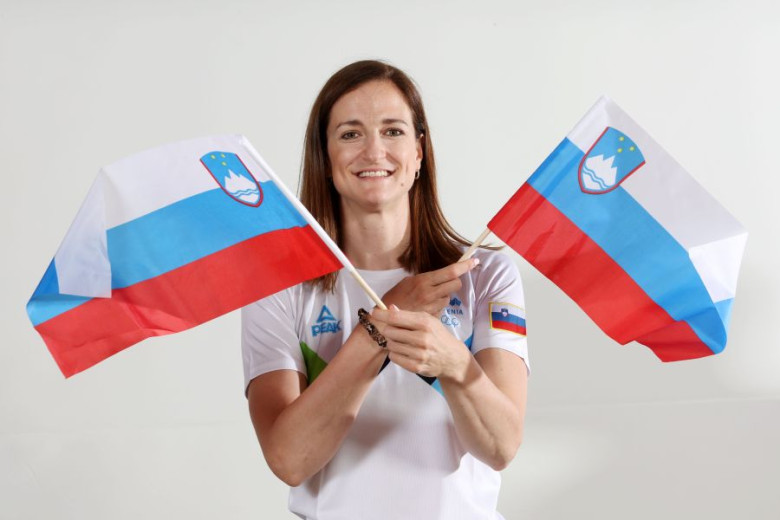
x=419 y=343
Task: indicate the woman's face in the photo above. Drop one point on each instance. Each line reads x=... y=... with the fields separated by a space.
x=372 y=147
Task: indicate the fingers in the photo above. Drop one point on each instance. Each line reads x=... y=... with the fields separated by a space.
x=408 y=320
x=404 y=338
x=413 y=351
x=405 y=351
x=435 y=307
x=444 y=290
x=404 y=362
x=430 y=292
x=409 y=356
x=453 y=271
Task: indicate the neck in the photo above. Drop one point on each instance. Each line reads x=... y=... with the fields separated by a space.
x=375 y=240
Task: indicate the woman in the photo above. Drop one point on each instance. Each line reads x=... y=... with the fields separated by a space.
x=419 y=428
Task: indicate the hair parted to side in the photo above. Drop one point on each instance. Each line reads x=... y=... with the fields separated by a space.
x=433 y=243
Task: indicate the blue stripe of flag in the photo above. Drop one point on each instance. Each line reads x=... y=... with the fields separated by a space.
x=173 y=236
x=509 y=318
x=635 y=240
x=190 y=229
x=49 y=302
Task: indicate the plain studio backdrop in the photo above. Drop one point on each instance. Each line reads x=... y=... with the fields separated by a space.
x=161 y=430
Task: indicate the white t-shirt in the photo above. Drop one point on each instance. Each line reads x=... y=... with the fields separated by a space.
x=401 y=458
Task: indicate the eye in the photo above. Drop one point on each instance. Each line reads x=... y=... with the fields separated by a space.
x=394 y=132
x=348 y=136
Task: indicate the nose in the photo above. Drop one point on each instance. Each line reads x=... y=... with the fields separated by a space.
x=375 y=148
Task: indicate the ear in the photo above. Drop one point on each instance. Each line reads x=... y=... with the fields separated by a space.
x=420 y=150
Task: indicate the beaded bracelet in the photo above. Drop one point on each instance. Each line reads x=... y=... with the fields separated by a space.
x=371 y=328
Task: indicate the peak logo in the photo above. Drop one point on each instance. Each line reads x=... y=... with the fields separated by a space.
x=326 y=322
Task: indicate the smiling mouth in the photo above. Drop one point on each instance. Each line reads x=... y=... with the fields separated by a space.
x=374 y=173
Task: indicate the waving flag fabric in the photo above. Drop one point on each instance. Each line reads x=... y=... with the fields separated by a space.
x=617 y=224
x=170 y=238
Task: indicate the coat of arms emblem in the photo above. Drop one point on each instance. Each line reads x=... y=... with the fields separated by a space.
x=611 y=160
x=233 y=177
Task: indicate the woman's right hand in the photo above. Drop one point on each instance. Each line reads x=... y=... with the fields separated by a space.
x=429 y=292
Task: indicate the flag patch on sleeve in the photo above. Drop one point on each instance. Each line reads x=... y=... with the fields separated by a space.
x=508 y=317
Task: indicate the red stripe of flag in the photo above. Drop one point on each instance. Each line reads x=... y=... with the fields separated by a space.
x=536 y=229
x=186 y=296
x=511 y=327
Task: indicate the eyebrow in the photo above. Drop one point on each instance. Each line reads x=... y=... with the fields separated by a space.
x=357 y=122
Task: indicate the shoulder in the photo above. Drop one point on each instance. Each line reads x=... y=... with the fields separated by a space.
x=287 y=299
x=494 y=258
x=495 y=265
x=278 y=310
x=271 y=332
x=496 y=278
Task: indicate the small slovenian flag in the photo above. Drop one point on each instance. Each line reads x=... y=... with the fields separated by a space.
x=508 y=317
x=170 y=238
x=630 y=236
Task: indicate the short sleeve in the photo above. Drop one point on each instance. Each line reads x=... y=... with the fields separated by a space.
x=268 y=338
x=499 y=313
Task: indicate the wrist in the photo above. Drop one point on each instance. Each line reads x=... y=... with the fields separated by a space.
x=371 y=329
x=359 y=345
x=462 y=370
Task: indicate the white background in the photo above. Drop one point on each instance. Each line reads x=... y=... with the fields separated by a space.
x=161 y=430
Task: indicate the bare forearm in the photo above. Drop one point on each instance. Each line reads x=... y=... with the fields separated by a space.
x=485 y=392
x=309 y=431
x=487 y=421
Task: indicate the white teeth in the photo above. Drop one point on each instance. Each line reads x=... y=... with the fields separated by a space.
x=376 y=173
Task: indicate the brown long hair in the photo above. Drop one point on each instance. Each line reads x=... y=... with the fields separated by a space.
x=433 y=243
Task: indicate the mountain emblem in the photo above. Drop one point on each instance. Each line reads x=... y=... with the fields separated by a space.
x=610 y=161
x=233 y=177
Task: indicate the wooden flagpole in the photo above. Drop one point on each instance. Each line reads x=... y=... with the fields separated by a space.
x=470 y=251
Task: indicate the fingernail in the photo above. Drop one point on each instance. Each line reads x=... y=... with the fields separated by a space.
x=475 y=262
x=394 y=307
